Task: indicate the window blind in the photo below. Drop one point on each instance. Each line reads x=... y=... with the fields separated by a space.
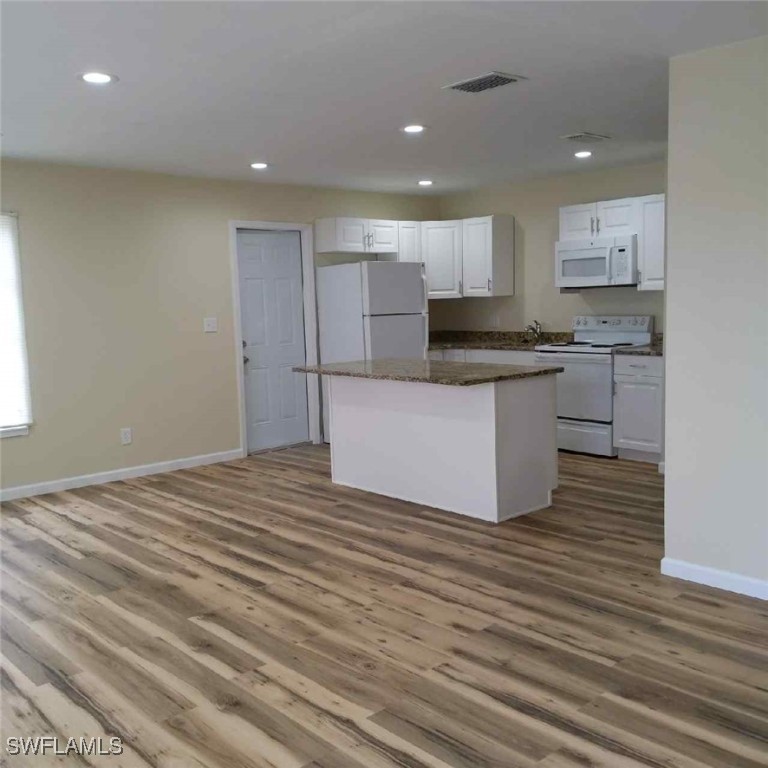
x=15 y=408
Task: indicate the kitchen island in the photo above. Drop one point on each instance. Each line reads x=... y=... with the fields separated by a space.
x=474 y=438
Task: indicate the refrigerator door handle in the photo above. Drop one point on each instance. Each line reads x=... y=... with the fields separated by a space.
x=426 y=336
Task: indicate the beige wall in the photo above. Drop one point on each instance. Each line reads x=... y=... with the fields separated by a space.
x=535 y=206
x=717 y=311
x=119 y=269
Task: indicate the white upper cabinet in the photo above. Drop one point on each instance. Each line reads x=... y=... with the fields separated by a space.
x=409 y=241
x=641 y=216
x=616 y=218
x=651 y=242
x=488 y=256
x=349 y=235
x=577 y=222
x=383 y=236
x=441 y=245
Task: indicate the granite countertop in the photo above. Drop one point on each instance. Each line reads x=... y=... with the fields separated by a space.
x=652 y=350
x=508 y=345
x=517 y=341
x=430 y=371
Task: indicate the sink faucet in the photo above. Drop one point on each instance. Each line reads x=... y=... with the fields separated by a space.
x=535 y=329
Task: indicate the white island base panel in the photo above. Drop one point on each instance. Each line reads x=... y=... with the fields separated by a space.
x=488 y=451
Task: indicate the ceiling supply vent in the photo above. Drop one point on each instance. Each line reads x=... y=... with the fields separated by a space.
x=483 y=82
x=585 y=137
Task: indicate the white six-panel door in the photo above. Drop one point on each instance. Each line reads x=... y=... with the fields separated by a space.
x=272 y=311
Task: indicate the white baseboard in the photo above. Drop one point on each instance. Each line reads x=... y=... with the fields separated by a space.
x=713 y=577
x=52 y=486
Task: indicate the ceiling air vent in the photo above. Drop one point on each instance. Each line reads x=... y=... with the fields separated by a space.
x=585 y=137
x=483 y=83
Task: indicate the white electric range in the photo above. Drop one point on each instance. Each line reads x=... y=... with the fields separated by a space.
x=585 y=389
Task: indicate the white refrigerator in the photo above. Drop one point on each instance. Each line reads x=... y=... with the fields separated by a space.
x=370 y=310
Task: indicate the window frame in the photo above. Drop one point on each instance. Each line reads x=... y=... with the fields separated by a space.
x=20 y=430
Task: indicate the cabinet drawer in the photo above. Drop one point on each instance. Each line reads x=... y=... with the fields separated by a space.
x=638 y=365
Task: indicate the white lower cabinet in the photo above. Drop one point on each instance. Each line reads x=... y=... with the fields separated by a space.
x=638 y=406
x=455 y=355
x=435 y=354
x=501 y=356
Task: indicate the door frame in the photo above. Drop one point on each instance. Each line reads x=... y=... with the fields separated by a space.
x=310 y=318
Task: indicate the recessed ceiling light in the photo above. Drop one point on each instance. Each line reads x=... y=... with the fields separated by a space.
x=98 y=78
x=425 y=183
x=413 y=128
x=583 y=154
x=259 y=166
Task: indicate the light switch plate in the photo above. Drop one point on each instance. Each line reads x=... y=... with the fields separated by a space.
x=210 y=325
x=126 y=435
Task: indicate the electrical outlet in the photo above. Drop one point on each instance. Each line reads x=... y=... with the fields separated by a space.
x=210 y=325
x=126 y=435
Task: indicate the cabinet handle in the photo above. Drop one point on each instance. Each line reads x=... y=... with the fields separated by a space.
x=633 y=365
x=597 y=220
x=461 y=288
x=591 y=225
x=489 y=285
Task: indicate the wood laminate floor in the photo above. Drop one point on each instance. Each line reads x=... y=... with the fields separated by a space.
x=253 y=614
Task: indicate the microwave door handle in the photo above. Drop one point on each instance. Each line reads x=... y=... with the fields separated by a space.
x=609 y=267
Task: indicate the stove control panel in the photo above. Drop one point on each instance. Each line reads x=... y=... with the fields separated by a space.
x=623 y=323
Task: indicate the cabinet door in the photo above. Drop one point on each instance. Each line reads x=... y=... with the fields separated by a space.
x=616 y=218
x=577 y=222
x=637 y=413
x=409 y=237
x=476 y=256
x=441 y=252
x=435 y=354
x=351 y=235
x=455 y=355
x=384 y=236
x=651 y=243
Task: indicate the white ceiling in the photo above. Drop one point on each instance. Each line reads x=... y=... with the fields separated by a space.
x=320 y=89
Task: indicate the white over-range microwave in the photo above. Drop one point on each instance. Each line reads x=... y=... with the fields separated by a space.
x=593 y=263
